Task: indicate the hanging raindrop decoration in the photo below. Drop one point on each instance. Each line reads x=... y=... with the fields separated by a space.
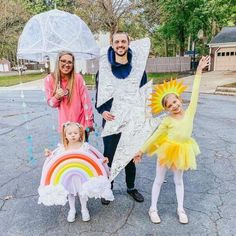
x=95 y=136
x=52 y=134
x=29 y=138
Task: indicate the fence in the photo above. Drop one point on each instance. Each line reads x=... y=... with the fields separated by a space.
x=159 y=64
x=168 y=64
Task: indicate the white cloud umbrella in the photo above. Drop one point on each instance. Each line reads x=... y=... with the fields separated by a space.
x=49 y=32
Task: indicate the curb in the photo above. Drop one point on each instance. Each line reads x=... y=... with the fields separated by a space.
x=225 y=89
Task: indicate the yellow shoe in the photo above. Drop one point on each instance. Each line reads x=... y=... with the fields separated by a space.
x=183 y=218
x=154 y=217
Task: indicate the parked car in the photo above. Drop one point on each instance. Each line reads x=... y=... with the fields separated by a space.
x=19 y=68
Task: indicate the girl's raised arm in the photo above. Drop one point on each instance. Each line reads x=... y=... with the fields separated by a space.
x=196 y=84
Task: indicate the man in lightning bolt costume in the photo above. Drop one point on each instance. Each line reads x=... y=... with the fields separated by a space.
x=121 y=99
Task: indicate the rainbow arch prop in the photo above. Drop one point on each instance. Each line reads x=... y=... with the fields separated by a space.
x=59 y=169
x=66 y=165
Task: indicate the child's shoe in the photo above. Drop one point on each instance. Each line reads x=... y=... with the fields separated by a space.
x=154 y=217
x=85 y=214
x=183 y=218
x=71 y=216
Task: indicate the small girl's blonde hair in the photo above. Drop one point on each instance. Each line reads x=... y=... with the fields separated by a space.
x=64 y=129
x=165 y=98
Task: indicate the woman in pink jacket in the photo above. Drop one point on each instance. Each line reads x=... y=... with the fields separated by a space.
x=66 y=91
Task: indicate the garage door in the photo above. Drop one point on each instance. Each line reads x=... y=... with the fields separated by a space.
x=225 y=59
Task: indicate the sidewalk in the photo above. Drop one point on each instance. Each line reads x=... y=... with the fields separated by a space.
x=33 y=85
x=210 y=81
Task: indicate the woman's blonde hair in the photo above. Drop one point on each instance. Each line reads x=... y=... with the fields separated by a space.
x=64 y=129
x=57 y=75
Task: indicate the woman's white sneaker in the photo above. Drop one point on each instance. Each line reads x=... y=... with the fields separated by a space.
x=71 y=216
x=183 y=218
x=154 y=217
x=85 y=215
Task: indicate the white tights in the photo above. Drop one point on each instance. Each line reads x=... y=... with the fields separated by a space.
x=156 y=187
x=83 y=202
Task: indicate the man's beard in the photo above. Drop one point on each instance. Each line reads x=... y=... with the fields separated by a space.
x=121 y=55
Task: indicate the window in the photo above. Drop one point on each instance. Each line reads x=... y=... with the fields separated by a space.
x=227 y=53
x=231 y=53
x=218 y=54
x=223 y=54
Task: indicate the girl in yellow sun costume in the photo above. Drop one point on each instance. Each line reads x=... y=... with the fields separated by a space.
x=172 y=141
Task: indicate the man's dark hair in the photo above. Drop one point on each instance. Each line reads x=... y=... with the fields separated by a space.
x=120 y=32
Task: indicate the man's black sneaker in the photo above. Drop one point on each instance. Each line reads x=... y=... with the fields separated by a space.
x=104 y=201
x=136 y=195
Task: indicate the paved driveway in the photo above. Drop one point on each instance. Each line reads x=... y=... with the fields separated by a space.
x=209 y=191
x=210 y=80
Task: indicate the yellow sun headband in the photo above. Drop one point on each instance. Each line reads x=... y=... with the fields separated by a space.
x=161 y=90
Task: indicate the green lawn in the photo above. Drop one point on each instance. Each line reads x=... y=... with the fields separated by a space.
x=156 y=77
x=6 y=81
x=89 y=79
x=159 y=77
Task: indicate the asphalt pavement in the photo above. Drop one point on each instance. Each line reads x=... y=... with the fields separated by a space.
x=28 y=125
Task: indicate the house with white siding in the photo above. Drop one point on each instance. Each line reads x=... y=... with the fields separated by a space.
x=223 y=50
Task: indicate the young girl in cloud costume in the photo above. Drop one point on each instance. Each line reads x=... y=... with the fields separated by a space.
x=172 y=141
x=74 y=168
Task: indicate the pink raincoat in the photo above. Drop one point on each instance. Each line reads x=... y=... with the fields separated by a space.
x=79 y=110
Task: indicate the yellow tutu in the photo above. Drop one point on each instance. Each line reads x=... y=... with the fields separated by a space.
x=176 y=155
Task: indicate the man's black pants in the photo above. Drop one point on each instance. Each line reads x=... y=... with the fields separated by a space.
x=110 y=144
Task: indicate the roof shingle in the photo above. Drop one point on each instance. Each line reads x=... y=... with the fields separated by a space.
x=226 y=35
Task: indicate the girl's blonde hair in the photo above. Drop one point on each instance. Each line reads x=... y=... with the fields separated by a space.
x=165 y=98
x=64 y=129
x=57 y=75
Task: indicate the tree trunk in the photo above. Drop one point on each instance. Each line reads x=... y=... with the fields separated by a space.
x=166 y=48
x=182 y=42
